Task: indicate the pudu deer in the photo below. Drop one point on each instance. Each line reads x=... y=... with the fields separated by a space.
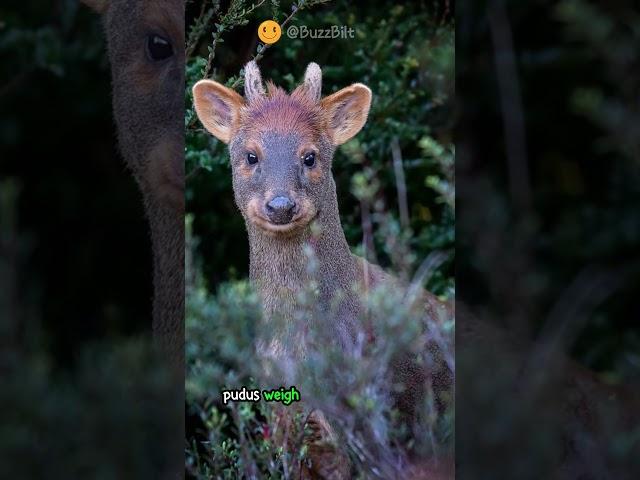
x=281 y=149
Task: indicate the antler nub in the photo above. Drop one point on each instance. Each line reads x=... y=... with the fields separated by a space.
x=253 y=87
x=313 y=81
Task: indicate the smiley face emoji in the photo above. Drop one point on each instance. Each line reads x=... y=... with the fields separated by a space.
x=269 y=32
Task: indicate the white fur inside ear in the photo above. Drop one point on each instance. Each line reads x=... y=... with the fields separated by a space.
x=313 y=81
x=253 y=87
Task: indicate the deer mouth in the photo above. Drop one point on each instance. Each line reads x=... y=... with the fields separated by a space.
x=303 y=217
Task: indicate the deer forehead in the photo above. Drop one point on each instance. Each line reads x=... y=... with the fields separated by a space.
x=284 y=114
x=283 y=146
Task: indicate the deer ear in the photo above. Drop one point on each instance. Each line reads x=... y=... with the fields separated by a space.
x=218 y=108
x=99 y=6
x=346 y=111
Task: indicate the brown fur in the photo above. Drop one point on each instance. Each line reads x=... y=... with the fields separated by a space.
x=279 y=112
x=283 y=126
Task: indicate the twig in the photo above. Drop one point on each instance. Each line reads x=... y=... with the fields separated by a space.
x=235 y=4
x=249 y=460
x=367 y=232
x=590 y=288
x=511 y=104
x=198 y=28
x=193 y=173
x=426 y=269
x=401 y=183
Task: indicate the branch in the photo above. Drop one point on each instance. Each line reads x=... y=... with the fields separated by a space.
x=228 y=21
x=512 y=110
x=401 y=183
x=198 y=28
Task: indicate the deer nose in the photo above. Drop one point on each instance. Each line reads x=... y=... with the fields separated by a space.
x=280 y=209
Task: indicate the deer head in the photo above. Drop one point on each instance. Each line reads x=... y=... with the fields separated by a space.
x=145 y=41
x=281 y=146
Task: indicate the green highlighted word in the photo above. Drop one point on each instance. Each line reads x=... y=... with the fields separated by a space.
x=282 y=395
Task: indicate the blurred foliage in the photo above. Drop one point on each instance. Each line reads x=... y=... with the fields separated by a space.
x=405 y=53
x=82 y=393
x=241 y=439
x=560 y=268
x=607 y=228
x=71 y=422
x=56 y=425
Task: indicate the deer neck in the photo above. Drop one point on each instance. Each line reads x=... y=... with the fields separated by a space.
x=282 y=267
x=167 y=237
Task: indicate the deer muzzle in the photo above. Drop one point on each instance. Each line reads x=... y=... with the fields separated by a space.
x=280 y=209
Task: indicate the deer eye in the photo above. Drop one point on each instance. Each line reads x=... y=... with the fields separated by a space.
x=309 y=159
x=252 y=158
x=158 y=48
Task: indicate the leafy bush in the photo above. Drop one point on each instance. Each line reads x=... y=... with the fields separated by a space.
x=222 y=332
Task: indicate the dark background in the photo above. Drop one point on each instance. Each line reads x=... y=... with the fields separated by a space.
x=82 y=393
x=577 y=211
x=86 y=257
x=548 y=238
